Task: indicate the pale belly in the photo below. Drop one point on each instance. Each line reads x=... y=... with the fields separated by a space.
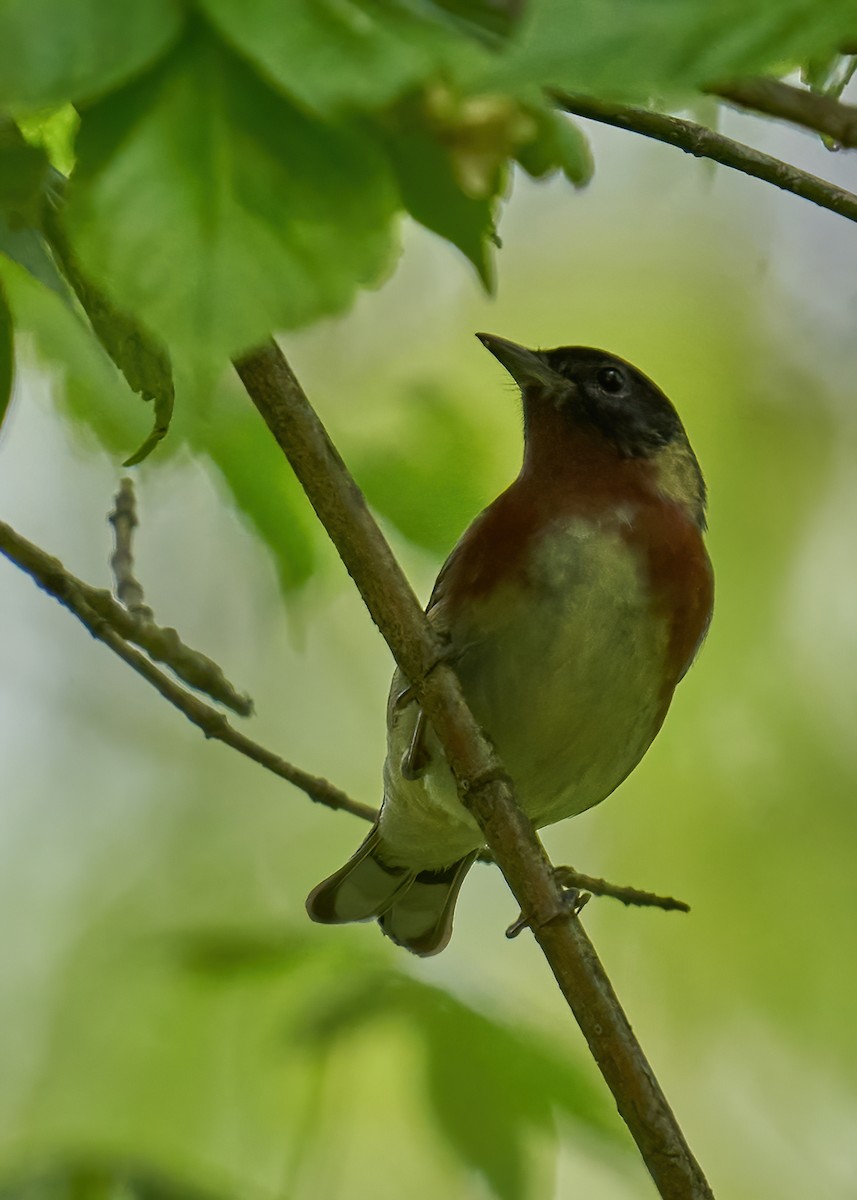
x=564 y=678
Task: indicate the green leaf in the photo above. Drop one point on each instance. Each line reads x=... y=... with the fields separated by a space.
x=96 y=1179
x=7 y=355
x=830 y=74
x=25 y=177
x=54 y=131
x=420 y=473
x=216 y=211
x=31 y=191
x=432 y=194
x=260 y=481
x=557 y=146
x=639 y=49
x=93 y=394
x=333 y=54
x=52 y=50
x=142 y=359
x=490 y=20
x=220 y=427
x=491 y=1085
x=27 y=248
x=24 y=173
x=229 y=953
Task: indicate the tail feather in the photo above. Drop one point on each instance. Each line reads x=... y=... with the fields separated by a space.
x=420 y=918
x=361 y=890
x=414 y=909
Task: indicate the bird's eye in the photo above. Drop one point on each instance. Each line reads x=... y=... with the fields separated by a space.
x=610 y=379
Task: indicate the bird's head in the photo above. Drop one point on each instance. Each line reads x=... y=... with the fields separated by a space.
x=576 y=395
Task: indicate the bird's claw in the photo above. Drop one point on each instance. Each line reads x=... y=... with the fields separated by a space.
x=517 y=926
x=573 y=898
x=448 y=654
x=573 y=901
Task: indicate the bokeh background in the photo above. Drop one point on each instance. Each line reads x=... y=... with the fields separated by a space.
x=165 y=1005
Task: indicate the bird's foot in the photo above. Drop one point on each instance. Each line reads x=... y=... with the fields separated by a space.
x=448 y=654
x=573 y=901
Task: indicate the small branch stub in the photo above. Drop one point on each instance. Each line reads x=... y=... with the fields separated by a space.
x=161 y=643
x=129 y=591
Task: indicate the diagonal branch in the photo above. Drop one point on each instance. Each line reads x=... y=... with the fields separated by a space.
x=799 y=106
x=704 y=143
x=85 y=601
x=483 y=787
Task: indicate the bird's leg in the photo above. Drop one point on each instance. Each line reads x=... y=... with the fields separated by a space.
x=417 y=758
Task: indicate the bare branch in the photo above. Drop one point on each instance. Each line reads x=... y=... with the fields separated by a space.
x=89 y=606
x=85 y=602
x=129 y=592
x=704 y=143
x=799 y=106
x=161 y=642
x=483 y=787
x=569 y=878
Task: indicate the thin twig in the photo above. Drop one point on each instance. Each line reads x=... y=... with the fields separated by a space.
x=483 y=787
x=799 y=106
x=704 y=143
x=129 y=591
x=78 y=597
x=569 y=878
x=161 y=642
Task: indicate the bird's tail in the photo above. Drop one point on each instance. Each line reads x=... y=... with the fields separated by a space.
x=414 y=909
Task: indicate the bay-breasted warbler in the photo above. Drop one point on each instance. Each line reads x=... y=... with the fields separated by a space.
x=573 y=606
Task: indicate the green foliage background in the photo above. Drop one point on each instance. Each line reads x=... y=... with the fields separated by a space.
x=169 y=1025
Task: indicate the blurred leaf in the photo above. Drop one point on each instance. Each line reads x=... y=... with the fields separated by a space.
x=26 y=247
x=557 y=146
x=143 y=360
x=93 y=394
x=492 y=20
x=228 y=435
x=31 y=191
x=491 y=1085
x=229 y=953
x=432 y=193
x=52 y=51
x=261 y=483
x=25 y=176
x=425 y=474
x=639 y=49
x=7 y=355
x=830 y=74
x=216 y=211
x=330 y=54
x=24 y=171
x=54 y=130
x=106 y=1180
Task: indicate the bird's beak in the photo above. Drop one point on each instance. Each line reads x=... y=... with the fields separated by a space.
x=526 y=367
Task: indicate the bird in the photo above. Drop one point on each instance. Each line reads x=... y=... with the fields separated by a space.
x=572 y=606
